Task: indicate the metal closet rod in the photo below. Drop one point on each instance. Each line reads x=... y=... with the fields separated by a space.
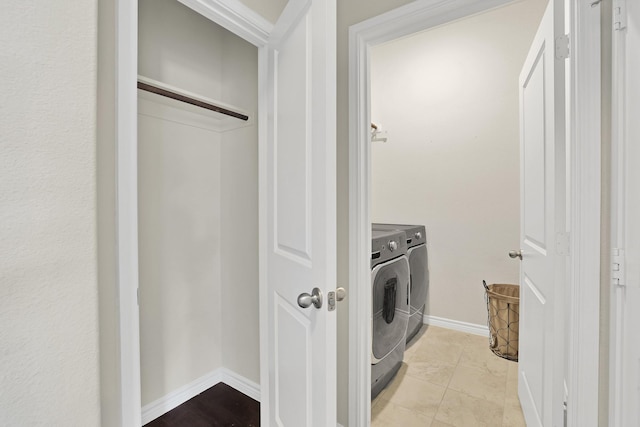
x=192 y=101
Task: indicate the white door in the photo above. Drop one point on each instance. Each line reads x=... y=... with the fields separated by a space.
x=299 y=346
x=542 y=153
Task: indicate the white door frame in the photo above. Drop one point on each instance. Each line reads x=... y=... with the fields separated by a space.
x=245 y=23
x=583 y=288
x=584 y=194
x=623 y=367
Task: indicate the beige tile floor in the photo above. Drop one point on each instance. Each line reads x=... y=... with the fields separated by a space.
x=450 y=379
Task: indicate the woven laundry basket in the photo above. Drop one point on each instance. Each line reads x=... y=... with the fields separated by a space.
x=503 y=307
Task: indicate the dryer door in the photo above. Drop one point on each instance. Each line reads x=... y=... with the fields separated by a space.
x=419 y=282
x=390 y=287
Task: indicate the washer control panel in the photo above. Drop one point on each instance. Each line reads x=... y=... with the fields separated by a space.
x=386 y=245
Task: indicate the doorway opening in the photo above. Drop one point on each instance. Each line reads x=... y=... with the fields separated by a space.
x=445 y=155
x=577 y=381
x=197 y=188
x=420 y=16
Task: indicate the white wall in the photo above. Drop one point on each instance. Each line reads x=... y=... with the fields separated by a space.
x=239 y=216
x=269 y=9
x=197 y=208
x=48 y=273
x=448 y=98
x=110 y=362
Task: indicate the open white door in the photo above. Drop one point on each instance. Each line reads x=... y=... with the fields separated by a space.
x=542 y=153
x=298 y=345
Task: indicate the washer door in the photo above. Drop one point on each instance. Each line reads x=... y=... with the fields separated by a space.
x=390 y=295
x=419 y=277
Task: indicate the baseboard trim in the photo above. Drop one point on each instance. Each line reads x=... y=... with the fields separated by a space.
x=456 y=325
x=240 y=383
x=177 y=397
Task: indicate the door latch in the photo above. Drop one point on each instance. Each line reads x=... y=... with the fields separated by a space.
x=333 y=296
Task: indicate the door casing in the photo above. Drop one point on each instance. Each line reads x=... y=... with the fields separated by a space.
x=624 y=352
x=579 y=373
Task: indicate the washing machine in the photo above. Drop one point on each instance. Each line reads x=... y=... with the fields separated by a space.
x=390 y=310
x=419 y=272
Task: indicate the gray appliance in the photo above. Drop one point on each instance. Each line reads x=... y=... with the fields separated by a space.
x=419 y=270
x=390 y=310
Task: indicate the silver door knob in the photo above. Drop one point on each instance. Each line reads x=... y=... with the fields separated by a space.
x=515 y=254
x=341 y=293
x=305 y=300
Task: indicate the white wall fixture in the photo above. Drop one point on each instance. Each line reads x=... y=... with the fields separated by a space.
x=378 y=135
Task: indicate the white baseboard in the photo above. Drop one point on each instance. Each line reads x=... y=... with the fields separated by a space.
x=177 y=397
x=240 y=383
x=457 y=325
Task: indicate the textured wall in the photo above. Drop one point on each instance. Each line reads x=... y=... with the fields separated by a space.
x=448 y=98
x=48 y=273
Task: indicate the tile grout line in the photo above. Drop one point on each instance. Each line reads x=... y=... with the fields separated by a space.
x=435 y=417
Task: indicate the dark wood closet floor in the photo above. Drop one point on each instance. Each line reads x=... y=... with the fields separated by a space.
x=219 y=406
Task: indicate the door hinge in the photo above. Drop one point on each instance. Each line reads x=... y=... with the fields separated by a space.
x=619 y=15
x=562 y=47
x=563 y=243
x=564 y=406
x=617 y=267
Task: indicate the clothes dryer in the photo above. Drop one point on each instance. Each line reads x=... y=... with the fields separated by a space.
x=390 y=310
x=419 y=271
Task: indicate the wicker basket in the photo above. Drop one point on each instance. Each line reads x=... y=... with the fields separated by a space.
x=503 y=307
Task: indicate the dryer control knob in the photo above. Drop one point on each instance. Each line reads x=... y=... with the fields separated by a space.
x=418 y=235
x=393 y=245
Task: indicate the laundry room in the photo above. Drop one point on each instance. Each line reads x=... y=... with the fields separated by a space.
x=445 y=155
x=198 y=207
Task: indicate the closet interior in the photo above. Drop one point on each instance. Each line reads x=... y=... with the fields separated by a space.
x=198 y=206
